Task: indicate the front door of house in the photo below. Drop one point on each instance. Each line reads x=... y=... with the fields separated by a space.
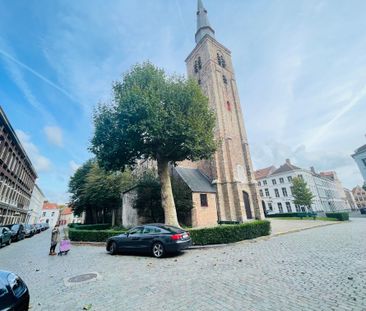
x=248 y=210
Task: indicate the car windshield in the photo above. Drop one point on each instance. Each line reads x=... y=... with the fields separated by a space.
x=15 y=227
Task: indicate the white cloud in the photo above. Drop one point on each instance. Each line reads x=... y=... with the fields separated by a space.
x=54 y=135
x=73 y=165
x=40 y=162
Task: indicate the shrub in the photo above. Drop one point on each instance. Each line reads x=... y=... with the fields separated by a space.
x=296 y=214
x=91 y=227
x=230 y=233
x=92 y=235
x=339 y=216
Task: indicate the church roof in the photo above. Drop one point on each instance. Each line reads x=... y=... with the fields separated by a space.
x=203 y=25
x=195 y=180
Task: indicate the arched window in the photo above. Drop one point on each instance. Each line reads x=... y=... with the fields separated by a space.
x=228 y=105
x=224 y=79
x=221 y=60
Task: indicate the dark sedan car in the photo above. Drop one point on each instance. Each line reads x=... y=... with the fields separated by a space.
x=157 y=239
x=17 y=232
x=5 y=236
x=14 y=294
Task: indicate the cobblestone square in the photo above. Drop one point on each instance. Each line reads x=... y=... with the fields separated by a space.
x=319 y=269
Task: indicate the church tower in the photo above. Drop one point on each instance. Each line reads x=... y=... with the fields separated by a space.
x=230 y=169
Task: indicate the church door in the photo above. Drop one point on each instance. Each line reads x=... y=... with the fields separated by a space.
x=248 y=210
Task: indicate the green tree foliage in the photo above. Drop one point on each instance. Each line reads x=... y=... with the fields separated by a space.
x=154 y=116
x=97 y=192
x=301 y=193
x=148 y=200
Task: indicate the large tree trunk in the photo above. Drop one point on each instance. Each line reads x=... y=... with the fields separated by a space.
x=167 y=200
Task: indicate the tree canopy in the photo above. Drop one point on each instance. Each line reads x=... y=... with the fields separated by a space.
x=154 y=116
x=301 y=193
x=97 y=192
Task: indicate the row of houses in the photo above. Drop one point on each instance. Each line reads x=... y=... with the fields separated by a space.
x=275 y=189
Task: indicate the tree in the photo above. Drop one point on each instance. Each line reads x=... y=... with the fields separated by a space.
x=97 y=192
x=301 y=193
x=157 y=117
x=148 y=199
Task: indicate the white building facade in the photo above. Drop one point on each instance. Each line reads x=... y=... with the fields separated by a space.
x=360 y=158
x=275 y=189
x=50 y=214
x=35 y=206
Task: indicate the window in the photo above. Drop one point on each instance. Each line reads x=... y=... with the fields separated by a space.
x=289 y=178
x=53 y=214
x=281 y=180
x=136 y=230
x=203 y=197
x=221 y=60
x=267 y=192
x=270 y=206
x=297 y=208
x=259 y=183
x=277 y=194
x=280 y=209
x=288 y=206
x=228 y=106
x=224 y=79
x=284 y=192
x=199 y=82
x=261 y=192
x=43 y=214
x=197 y=64
x=274 y=182
x=292 y=190
x=364 y=161
x=300 y=176
x=265 y=182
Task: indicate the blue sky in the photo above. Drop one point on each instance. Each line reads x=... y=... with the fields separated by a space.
x=300 y=68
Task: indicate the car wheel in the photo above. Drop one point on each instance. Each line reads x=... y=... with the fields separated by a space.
x=1 y=243
x=158 y=250
x=113 y=248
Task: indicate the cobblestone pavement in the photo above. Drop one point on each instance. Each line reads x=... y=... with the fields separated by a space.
x=318 y=269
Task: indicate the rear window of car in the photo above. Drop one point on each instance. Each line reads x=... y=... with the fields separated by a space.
x=171 y=229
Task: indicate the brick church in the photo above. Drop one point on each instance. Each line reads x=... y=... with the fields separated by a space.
x=223 y=188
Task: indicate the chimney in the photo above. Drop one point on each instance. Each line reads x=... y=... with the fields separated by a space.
x=312 y=169
x=288 y=161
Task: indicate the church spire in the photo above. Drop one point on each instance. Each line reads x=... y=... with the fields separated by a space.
x=203 y=25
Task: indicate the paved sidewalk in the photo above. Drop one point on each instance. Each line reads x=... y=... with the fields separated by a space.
x=320 y=269
x=283 y=226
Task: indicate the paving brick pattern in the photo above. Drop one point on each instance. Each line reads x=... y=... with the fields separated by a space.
x=318 y=269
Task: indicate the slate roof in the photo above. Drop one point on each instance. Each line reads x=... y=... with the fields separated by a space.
x=264 y=172
x=195 y=180
x=360 y=150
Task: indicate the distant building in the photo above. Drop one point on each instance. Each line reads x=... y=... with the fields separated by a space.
x=36 y=205
x=360 y=157
x=351 y=199
x=275 y=189
x=50 y=213
x=360 y=196
x=17 y=175
x=66 y=216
